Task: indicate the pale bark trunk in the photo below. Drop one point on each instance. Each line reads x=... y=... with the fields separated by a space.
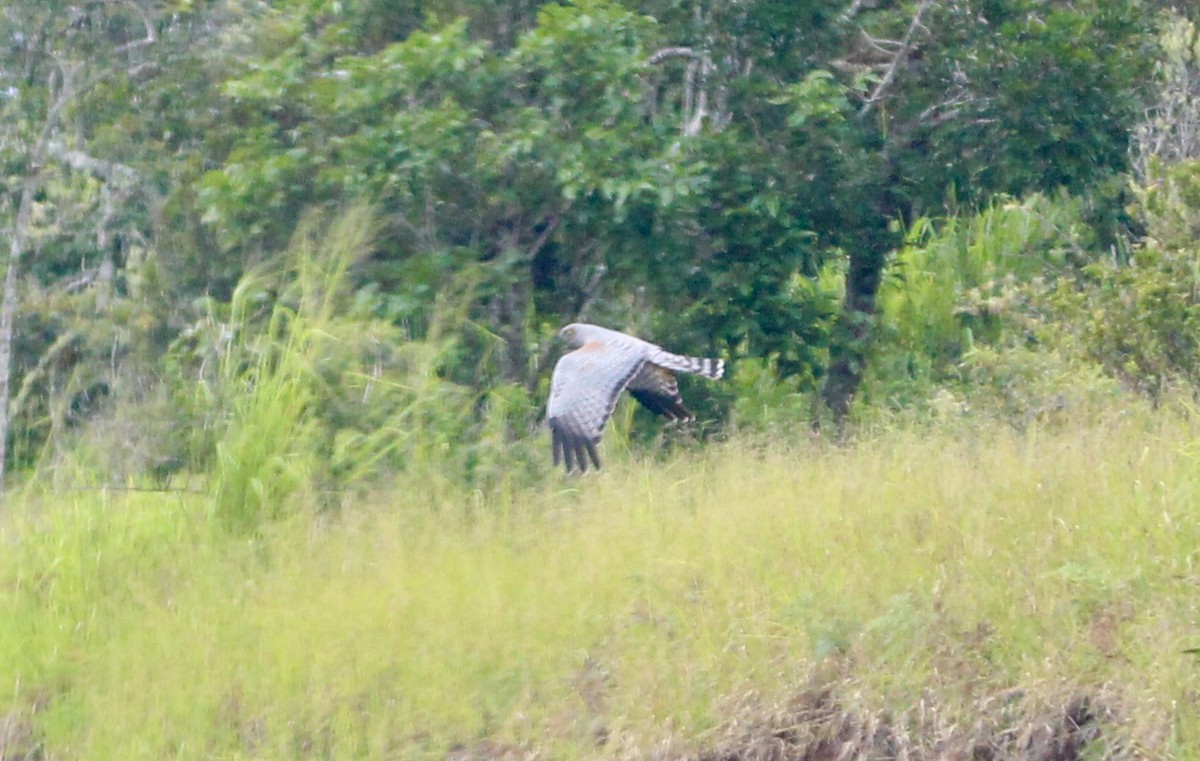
x=8 y=311
x=20 y=232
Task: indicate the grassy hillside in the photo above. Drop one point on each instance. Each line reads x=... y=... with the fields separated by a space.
x=983 y=591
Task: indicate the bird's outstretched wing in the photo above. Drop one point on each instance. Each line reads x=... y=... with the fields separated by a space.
x=583 y=392
x=658 y=391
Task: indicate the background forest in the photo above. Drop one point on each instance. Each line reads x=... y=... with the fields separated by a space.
x=270 y=262
x=860 y=204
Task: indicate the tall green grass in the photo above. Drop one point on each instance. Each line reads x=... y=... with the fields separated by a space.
x=270 y=445
x=634 y=612
x=315 y=397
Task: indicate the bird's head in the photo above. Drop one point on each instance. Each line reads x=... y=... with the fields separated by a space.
x=572 y=335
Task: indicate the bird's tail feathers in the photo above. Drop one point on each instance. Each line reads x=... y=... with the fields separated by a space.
x=705 y=366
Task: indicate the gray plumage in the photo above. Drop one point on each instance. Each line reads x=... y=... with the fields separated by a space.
x=588 y=380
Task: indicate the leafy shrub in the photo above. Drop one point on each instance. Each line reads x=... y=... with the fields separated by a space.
x=1036 y=384
x=1141 y=320
x=957 y=276
x=765 y=403
x=965 y=282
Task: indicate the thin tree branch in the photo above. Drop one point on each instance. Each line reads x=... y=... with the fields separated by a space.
x=150 y=38
x=695 y=94
x=887 y=47
x=852 y=11
x=898 y=59
x=41 y=369
x=540 y=242
x=590 y=291
x=109 y=171
x=692 y=126
x=678 y=51
x=689 y=89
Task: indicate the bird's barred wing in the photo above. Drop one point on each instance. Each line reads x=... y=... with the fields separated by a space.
x=583 y=392
x=655 y=385
x=658 y=391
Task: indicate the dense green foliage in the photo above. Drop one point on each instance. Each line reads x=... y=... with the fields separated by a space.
x=731 y=179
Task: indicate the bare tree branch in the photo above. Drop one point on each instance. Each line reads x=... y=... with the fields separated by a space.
x=1170 y=128
x=898 y=59
x=678 y=51
x=695 y=94
x=150 y=38
x=109 y=171
x=888 y=48
x=540 y=243
x=590 y=291
x=41 y=369
x=852 y=11
x=692 y=125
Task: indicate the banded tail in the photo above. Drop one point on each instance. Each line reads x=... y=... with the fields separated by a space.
x=703 y=366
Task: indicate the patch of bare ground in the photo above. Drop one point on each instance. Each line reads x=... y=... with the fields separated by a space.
x=18 y=741
x=491 y=751
x=818 y=725
x=1008 y=726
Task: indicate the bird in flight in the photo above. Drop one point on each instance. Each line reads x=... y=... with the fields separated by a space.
x=587 y=381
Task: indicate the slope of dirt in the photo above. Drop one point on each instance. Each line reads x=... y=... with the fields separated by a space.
x=1010 y=726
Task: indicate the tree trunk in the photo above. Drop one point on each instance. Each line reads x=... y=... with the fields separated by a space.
x=854 y=328
x=8 y=311
x=869 y=249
